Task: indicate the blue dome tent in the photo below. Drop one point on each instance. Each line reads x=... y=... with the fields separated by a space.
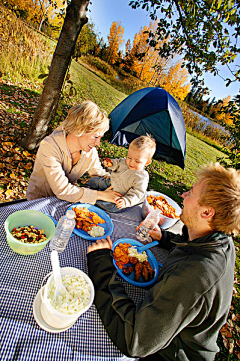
x=153 y=111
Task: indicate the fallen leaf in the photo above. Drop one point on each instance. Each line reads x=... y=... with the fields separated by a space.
x=28 y=165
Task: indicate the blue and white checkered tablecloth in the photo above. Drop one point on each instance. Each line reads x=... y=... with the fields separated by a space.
x=21 y=338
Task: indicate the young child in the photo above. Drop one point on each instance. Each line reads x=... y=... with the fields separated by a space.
x=128 y=176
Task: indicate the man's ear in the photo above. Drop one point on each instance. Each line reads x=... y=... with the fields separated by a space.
x=208 y=212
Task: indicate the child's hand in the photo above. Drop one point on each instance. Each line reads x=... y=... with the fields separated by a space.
x=120 y=203
x=107 y=162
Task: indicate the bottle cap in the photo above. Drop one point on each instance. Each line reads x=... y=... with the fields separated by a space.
x=70 y=214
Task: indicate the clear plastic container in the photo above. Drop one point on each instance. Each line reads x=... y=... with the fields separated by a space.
x=50 y=315
x=63 y=232
x=150 y=222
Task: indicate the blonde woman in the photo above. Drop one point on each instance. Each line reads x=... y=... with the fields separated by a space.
x=69 y=152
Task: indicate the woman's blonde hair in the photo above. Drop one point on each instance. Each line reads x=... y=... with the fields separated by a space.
x=222 y=192
x=84 y=118
x=145 y=142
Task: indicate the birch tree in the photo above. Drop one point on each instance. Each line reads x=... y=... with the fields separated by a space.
x=73 y=23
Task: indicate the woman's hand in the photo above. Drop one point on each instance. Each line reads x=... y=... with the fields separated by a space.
x=108 y=195
x=100 y=244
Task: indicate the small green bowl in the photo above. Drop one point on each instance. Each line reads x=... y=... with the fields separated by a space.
x=28 y=218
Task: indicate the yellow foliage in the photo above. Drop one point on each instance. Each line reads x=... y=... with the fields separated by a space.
x=221 y=115
x=36 y=11
x=144 y=57
x=175 y=81
x=153 y=70
x=114 y=41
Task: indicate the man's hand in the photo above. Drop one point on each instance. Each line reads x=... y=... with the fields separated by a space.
x=156 y=233
x=100 y=244
x=120 y=203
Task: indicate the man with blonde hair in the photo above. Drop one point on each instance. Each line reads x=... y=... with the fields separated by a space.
x=128 y=176
x=182 y=313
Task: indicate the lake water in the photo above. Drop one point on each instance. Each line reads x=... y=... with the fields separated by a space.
x=209 y=122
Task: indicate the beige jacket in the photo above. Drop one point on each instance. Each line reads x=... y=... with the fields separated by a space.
x=131 y=183
x=54 y=174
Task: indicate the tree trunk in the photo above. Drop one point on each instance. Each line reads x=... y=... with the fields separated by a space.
x=73 y=23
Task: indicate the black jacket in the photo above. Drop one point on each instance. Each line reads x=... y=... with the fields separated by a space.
x=182 y=313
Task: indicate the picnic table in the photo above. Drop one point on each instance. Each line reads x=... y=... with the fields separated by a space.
x=22 y=338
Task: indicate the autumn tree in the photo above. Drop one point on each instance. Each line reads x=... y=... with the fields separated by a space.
x=50 y=12
x=38 y=12
x=203 y=32
x=115 y=39
x=73 y=23
x=233 y=149
x=21 y=8
x=127 y=61
x=87 y=42
x=100 y=48
x=143 y=60
x=220 y=111
x=176 y=81
x=154 y=70
x=142 y=54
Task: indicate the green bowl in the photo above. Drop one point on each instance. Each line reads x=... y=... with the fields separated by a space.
x=28 y=218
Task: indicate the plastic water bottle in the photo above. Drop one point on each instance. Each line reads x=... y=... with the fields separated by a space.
x=150 y=222
x=63 y=232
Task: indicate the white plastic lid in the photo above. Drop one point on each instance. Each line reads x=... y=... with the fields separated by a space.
x=70 y=214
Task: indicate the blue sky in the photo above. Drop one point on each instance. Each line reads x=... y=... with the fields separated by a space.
x=103 y=12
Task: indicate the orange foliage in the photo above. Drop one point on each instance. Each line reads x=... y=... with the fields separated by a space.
x=221 y=114
x=152 y=69
x=175 y=81
x=114 y=41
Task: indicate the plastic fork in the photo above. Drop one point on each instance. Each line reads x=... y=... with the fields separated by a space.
x=60 y=289
x=146 y=246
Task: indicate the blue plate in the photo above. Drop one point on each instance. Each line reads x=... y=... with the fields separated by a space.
x=108 y=226
x=151 y=259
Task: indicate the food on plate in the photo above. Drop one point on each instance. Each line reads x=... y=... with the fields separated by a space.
x=75 y=299
x=129 y=260
x=121 y=254
x=138 y=270
x=147 y=271
x=29 y=234
x=96 y=231
x=86 y=220
x=141 y=257
x=108 y=162
x=160 y=203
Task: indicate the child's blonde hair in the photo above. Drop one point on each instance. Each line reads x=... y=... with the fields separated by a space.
x=222 y=192
x=84 y=118
x=145 y=142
